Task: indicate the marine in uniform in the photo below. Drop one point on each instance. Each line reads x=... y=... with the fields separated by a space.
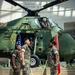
x=16 y=61
x=26 y=54
x=52 y=58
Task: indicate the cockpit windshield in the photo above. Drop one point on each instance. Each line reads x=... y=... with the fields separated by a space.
x=42 y=22
x=46 y=23
x=34 y=22
x=51 y=23
x=37 y=23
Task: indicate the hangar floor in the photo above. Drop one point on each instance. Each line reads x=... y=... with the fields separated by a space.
x=37 y=71
x=40 y=71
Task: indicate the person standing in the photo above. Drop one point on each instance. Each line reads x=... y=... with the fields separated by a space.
x=16 y=60
x=26 y=54
x=52 y=57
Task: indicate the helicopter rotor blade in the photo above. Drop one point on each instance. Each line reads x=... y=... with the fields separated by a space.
x=52 y=4
x=11 y=2
x=16 y=4
x=35 y=12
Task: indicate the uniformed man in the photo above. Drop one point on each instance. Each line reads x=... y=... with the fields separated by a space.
x=53 y=57
x=16 y=60
x=26 y=54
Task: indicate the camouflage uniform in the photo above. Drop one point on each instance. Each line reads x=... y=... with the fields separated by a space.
x=27 y=55
x=17 y=62
x=51 y=60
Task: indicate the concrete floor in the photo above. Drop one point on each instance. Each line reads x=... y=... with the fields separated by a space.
x=40 y=71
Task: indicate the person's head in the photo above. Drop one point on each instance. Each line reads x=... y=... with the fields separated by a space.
x=18 y=46
x=44 y=19
x=52 y=42
x=27 y=41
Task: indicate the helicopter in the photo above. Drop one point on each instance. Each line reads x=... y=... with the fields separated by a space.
x=40 y=30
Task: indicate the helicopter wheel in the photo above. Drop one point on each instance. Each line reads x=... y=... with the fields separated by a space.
x=35 y=61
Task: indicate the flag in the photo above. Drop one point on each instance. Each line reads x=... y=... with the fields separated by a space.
x=58 y=68
x=57 y=46
x=19 y=40
x=56 y=40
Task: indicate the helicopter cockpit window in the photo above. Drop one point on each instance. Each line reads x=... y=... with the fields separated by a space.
x=34 y=22
x=37 y=23
x=52 y=23
x=44 y=23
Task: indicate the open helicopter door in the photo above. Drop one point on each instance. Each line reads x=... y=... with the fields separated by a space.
x=33 y=40
x=22 y=36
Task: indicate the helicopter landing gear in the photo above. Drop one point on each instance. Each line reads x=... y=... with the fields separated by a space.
x=35 y=61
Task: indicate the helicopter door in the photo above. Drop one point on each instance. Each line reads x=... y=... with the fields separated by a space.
x=22 y=36
x=35 y=61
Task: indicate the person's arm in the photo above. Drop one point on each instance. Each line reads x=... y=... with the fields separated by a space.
x=56 y=59
x=23 y=59
x=56 y=56
x=13 y=62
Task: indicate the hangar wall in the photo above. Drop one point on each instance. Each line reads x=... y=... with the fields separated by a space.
x=61 y=13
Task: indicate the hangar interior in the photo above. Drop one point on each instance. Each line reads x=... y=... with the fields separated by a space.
x=63 y=14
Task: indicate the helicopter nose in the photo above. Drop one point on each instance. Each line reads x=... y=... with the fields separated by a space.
x=66 y=46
